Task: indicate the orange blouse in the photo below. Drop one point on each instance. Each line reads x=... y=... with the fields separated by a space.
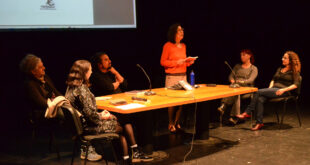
x=169 y=57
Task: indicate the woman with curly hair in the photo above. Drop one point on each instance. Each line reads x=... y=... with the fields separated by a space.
x=284 y=83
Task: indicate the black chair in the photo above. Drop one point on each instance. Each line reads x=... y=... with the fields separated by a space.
x=79 y=135
x=285 y=100
x=37 y=123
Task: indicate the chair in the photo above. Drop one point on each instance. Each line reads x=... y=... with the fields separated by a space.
x=48 y=124
x=72 y=114
x=285 y=100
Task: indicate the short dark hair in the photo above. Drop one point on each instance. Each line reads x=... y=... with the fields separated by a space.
x=249 y=52
x=28 y=63
x=96 y=59
x=77 y=74
x=173 y=29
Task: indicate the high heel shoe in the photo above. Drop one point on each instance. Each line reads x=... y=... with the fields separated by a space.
x=257 y=127
x=172 y=129
x=243 y=116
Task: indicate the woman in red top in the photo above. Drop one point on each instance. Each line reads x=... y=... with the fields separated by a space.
x=174 y=60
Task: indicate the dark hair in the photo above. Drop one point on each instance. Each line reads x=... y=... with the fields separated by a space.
x=96 y=59
x=29 y=63
x=249 y=52
x=173 y=29
x=77 y=74
x=294 y=61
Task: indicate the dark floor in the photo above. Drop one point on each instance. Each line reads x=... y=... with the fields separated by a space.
x=227 y=145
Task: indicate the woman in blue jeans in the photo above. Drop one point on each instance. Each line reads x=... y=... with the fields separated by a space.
x=284 y=83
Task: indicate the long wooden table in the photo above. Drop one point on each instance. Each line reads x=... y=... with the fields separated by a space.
x=167 y=98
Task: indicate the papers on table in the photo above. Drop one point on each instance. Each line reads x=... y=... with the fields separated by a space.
x=103 y=98
x=130 y=106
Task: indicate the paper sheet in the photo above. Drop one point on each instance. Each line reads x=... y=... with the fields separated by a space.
x=130 y=106
x=103 y=98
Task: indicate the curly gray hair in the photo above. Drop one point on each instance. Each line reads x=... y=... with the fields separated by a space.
x=28 y=63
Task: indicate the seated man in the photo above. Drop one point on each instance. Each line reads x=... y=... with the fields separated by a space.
x=106 y=79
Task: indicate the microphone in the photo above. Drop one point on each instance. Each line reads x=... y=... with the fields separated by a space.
x=233 y=85
x=150 y=92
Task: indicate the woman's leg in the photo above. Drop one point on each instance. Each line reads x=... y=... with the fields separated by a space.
x=177 y=115
x=124 y=144
x=264 y=94
x=129 y=131
x=171 y=126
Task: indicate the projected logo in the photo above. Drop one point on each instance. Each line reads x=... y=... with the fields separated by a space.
x=49 y=5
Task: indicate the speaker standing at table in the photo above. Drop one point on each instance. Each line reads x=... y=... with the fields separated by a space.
x=174 y=60
x=284 y=83
x=244 y=75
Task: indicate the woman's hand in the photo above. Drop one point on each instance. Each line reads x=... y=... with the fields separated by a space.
x=280 y=92
x=181 y=61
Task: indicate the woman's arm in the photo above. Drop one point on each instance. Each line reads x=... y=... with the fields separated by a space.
x=252 y=77
x=282 y=90
x=89 y=107
x=271 y=84
x=165 y=61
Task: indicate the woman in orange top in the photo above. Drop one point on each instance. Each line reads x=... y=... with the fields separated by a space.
x=174 y=60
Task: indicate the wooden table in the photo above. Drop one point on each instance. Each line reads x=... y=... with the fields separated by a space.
x=167 y=98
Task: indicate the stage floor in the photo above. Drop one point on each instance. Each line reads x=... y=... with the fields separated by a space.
x=227 y=145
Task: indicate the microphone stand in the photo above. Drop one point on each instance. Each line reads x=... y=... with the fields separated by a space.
x=150 y=92
x=232 y=85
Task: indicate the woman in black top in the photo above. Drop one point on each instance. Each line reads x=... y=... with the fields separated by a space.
x=83 y=100
x=38 y=86
x=284 y=83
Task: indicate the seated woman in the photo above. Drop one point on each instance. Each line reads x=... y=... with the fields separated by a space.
x=83 y=100
x=246 y=74
x=38 y=86
x=284 y=83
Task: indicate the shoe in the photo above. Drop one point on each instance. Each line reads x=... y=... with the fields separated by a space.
x=92 y=154
x=243 y=116
x=222 y=108
x=179 y=128
x=257 y=127
x=127 y=162
x=139 y=156
x=172 y=128
x=231 y=122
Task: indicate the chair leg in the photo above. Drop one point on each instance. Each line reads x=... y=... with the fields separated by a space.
x=277 y=115
x=51 y=141
x=298 y=112
x=86 y=154
x=114 y=153
x=221 y=120
x=73 y=152
x=284 y=111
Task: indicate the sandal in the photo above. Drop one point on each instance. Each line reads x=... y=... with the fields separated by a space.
x=172 y=128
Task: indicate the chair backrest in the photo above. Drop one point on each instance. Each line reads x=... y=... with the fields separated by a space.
x=298 y=90
x=72 y=115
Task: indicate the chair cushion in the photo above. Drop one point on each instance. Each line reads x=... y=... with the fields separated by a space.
x=281 y=99
x=104 y=136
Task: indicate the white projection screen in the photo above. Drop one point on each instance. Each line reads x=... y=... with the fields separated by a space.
x=46 y=14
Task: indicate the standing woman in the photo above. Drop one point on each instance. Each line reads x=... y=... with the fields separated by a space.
x=284 y=83
x=246 y=73
x=174 y=60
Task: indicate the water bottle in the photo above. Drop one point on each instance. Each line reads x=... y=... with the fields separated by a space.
x=192 y=78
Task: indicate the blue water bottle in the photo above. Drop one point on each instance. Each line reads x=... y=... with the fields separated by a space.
x=192 y=78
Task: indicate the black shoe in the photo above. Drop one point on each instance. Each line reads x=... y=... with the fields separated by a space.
x=139 y=156
x=127 y=162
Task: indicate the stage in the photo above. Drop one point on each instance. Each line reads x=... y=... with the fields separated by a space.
x=227 y=145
